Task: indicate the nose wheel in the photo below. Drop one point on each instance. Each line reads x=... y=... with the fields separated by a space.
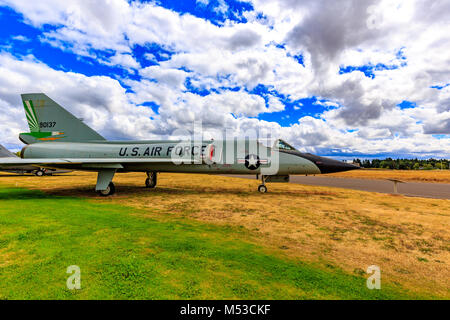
x=151 y=180
x=262 y=187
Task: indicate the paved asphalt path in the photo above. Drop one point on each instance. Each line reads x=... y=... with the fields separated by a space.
x=414 y=189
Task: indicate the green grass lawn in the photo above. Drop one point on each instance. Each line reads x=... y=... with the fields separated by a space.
x=124 y=255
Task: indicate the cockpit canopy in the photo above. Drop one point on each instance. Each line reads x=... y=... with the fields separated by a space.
x=283 y=145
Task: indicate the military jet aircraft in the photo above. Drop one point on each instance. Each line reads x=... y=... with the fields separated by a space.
x=20 y=169
x=59 y=140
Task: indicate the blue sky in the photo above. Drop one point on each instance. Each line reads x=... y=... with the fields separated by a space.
x=25 y=39
x=278 y=66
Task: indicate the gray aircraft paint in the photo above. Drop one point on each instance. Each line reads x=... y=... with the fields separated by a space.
x=57 y=139
x=5 y=153
x=48 y=120
x=133 y=157
x=8 y=156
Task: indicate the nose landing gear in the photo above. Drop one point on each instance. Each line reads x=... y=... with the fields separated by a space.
x=262 y=187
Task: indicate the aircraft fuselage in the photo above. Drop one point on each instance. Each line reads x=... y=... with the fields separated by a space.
x=231 y=157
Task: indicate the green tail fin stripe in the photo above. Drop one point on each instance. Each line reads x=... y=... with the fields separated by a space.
x=32 y=113
x=29 y=109
x=29 y=119
x=31 y=116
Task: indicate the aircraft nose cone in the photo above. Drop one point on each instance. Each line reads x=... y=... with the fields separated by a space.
x=327 y=165
x=331 y=165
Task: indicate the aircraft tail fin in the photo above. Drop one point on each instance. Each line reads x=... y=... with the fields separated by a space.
x=48 y=121
x=5 y=153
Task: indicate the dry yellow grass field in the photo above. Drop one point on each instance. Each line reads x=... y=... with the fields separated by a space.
x=409 y=238
x=434 y=176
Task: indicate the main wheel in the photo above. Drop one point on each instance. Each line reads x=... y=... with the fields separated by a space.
x=39 y=173
x=110 y=190
x=262 y=188
x=150 y=182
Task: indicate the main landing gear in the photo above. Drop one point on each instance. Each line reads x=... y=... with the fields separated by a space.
x=262 y=187
x=151 y=180
x=110 y=190
x=105 y=187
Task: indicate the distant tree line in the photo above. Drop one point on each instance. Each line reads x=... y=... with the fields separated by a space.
x=404 y=164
